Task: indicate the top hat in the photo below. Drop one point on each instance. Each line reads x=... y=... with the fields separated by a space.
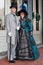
x=23 y=9
x=13 y=4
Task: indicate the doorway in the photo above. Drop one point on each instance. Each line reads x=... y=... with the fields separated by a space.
x=37 y=26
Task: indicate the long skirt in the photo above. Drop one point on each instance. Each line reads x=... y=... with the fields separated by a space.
x=25 y=51
x=27 y=48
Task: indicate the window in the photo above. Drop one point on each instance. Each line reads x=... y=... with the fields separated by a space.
x=2 y=14
x=37 y=12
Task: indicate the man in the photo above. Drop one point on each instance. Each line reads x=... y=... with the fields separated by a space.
x=11 y=27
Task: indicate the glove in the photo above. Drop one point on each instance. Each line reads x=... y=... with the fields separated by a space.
x=10 y=34
x=18 y=27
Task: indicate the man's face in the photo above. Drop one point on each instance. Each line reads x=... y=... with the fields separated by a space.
x=13 y=10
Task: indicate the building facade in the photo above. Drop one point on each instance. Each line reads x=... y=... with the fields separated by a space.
x=35 y=6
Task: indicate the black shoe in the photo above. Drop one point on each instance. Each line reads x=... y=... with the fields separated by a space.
x=11 y=61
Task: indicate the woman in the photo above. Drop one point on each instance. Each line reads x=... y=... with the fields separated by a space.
x=26 y=40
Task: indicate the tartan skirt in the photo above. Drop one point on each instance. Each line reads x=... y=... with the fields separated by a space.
x=25 y=51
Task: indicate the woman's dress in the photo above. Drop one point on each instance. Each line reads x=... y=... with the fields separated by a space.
x=26 y=41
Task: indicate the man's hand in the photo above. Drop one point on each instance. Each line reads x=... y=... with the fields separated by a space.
x=18 y=27
x=10 y=34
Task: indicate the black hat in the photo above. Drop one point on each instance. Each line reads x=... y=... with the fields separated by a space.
x=23 y=9
x=13 y=4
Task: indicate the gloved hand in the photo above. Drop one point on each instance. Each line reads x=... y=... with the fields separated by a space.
x=10 y=34
x=18 y=27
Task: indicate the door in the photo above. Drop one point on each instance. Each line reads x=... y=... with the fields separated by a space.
x=37 y=26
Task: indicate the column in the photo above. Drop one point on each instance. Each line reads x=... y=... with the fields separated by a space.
x=7 y=5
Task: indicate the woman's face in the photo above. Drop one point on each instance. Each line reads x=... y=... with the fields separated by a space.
x=22 y=15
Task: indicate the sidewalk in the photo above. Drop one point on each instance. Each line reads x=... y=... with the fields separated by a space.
x=39 y=61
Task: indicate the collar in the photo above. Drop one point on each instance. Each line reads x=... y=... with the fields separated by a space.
x=13 y=14
x=23 y=19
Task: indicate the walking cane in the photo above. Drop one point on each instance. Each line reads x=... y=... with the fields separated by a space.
x=10 y=50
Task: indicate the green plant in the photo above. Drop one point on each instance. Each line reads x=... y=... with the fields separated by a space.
x=37 y=17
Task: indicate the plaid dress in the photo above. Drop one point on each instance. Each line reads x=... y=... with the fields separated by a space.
x=25 y=51
x=27 y=48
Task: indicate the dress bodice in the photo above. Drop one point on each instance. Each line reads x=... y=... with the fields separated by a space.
x=24 y=25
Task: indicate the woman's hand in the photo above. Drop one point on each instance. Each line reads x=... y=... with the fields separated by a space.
x=31 y=33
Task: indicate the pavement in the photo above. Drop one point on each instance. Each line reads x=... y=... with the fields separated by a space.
x=39 y=61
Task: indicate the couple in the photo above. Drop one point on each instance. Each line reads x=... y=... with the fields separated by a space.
x=20 y=32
